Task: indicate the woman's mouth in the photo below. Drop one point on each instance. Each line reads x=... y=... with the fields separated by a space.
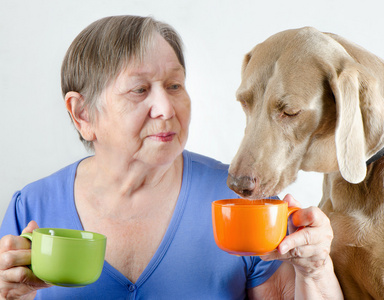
x=163 y=136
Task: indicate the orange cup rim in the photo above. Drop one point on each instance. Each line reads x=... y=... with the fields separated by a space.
x=240 y=202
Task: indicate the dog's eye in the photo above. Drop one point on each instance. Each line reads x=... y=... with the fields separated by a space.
x=291 y=113
x=244 y=97
x=243 y=103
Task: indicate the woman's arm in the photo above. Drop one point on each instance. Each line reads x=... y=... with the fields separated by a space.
x=281 y=285
x=321 y=284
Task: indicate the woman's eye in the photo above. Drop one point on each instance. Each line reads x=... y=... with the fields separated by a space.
x=139 y=90
x=174 y=86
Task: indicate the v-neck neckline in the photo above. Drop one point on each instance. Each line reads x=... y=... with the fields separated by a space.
x=168 y=236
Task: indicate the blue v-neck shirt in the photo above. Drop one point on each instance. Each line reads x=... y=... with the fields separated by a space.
x=187 y=264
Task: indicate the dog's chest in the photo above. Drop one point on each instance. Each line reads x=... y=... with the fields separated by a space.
x=356 y=211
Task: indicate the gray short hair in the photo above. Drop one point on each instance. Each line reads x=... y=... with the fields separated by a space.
x=99 y=53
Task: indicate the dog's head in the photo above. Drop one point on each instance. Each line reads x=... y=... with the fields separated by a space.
x=312 y=102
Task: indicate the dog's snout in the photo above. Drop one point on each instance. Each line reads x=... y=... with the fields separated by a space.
x=242 y=185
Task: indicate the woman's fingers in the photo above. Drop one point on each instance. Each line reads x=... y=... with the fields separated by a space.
x=30 y=227
x=291 y=201
x=317 y=236
x=311 y=217
x=15 y=258
x=11 y=242
x=16 y=275
x=17 y=281
x=14 y=251
x=309 y=246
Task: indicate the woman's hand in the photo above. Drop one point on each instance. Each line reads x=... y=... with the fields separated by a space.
x=307 y=248
x=17 y=281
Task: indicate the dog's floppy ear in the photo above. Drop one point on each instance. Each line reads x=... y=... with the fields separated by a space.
x=349 y=136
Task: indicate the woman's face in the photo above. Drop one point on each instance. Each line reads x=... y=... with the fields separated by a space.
x=145 y=112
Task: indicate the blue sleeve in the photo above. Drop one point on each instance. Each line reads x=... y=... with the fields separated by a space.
x=14 y=219
x=259 y=271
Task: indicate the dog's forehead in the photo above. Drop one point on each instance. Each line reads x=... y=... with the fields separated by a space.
x=293 y=56
x=293 y=48
x=302 y=42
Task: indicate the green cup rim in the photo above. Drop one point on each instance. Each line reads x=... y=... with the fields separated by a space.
x=95 y=236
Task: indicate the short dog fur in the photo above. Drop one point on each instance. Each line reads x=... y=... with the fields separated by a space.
x=314 y=102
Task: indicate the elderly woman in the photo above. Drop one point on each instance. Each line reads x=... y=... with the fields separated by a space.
x=123 y=79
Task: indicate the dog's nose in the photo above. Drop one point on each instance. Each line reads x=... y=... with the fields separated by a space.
x=242 y=185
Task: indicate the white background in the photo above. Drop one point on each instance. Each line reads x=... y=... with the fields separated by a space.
x=36 y=135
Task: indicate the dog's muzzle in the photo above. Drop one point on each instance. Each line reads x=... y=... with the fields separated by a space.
x=242 y=185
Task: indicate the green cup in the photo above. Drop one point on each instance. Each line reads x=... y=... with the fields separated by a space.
x=67 y=257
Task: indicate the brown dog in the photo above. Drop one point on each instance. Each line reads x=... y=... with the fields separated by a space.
x=314 y=101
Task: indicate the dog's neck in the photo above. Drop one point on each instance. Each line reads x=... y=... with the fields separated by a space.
x=376 y=157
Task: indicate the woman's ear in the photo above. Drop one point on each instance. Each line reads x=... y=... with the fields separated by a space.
x=80 y=115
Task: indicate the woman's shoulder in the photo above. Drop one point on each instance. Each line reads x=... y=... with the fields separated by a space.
x=205 y=171
x=54 y=182
x=49 y=201
x=205 y=161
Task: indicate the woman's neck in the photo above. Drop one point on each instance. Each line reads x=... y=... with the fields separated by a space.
x=111 y=186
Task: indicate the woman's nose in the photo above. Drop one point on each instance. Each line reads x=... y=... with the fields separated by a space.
x=162 y=106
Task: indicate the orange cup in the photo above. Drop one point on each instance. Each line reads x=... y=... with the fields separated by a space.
x=250 y=227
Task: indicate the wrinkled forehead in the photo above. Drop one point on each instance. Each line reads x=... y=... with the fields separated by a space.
x=136 y=57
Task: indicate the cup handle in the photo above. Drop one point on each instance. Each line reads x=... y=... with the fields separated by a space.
x=27 y=235
x=291 y=210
